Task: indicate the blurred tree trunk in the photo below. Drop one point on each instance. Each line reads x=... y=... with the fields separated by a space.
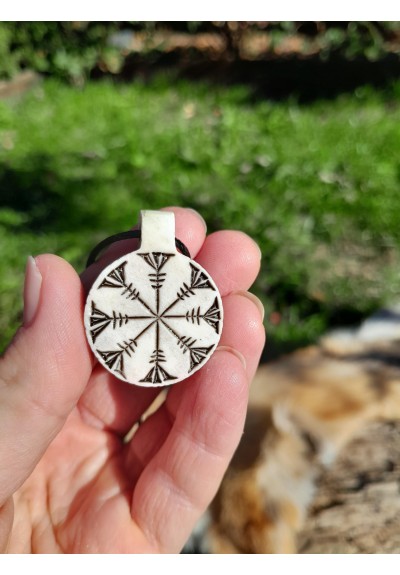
x=357 y=504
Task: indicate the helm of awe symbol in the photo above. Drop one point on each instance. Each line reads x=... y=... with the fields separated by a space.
x=153 y=318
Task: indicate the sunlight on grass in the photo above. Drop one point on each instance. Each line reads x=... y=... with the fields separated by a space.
x=317 y=186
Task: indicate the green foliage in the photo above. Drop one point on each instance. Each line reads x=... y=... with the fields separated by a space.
x=68 y=50
x=317 y=187
x=73 y=50
x=355 y=39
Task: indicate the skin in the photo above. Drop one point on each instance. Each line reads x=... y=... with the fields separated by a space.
x=68 y=481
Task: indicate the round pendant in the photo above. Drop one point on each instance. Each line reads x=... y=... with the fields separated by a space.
x=154 y=316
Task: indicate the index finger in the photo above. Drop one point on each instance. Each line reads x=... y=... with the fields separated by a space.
x=208 y=413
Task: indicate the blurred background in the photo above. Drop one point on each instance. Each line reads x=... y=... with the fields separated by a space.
x=289 y=131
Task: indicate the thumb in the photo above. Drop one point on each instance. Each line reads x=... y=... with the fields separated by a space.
x=44 y=370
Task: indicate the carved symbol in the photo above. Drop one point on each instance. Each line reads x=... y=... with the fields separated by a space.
x=157 y=374
x=199 y=279
x=100 y=320
x=115 y=359
x=156 y=259
x=211 y=316
x=164 y=324
x=116 y=278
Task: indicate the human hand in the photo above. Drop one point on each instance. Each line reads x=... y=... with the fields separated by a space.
x=68 y=481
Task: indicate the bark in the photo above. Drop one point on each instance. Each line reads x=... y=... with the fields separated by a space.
x=357 y=504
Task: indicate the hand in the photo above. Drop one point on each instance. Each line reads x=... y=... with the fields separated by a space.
x=68 y=481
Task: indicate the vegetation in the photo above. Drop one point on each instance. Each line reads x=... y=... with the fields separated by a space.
x=317 y=186
x=73 y=51
x=67 y=50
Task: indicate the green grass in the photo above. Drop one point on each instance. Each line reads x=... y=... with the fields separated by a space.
x=317 y=186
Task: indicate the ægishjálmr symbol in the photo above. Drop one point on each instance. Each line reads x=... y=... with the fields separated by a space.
x=154 y=316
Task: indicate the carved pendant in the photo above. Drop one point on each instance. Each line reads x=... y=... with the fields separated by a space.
x=154 y=316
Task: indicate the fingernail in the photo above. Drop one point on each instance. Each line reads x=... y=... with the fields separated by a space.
x=199 y=216
x=234 y=352
x=257 y=302
x=32 y=287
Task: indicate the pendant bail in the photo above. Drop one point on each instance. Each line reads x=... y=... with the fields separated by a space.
x=157 y=231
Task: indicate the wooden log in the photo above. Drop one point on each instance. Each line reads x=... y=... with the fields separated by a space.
x=318 y=467
x=357 y=505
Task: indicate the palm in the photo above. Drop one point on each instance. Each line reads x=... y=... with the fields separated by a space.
x=92 y=491
x=87 y=494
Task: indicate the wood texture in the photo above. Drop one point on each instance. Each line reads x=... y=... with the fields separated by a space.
x=357 y=505
x=318 y=467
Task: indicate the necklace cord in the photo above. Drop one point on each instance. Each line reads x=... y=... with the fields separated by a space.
x=131 y=234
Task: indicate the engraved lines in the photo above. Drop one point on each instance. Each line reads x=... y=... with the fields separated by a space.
x=157 y=373
x=211 y=316
x=100 y=320
x=197 y=354
x=198 y=280
x=116 y=279
x=157 y=261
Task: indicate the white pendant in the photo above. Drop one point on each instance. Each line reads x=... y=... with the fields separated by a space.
x=154 y=316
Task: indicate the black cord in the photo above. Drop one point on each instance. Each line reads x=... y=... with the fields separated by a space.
x=127 y=236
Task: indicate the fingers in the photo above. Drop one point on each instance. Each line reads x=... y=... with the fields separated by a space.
x=44 y=370
x=112 y=404
x=243 y=333
x=190 y=228
x=179 y=482
x=232 y=259
x=6 y=523
x=146 y=442
x=243 y=328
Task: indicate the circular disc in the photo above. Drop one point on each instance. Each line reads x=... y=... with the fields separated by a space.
x=153 y=318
